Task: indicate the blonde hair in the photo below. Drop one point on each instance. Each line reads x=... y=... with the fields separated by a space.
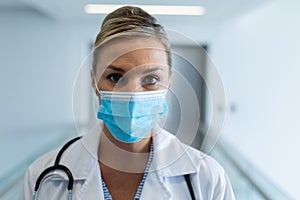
x=130 y=22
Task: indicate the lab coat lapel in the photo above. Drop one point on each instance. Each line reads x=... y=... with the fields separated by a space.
x=82 y=156
x=172 y=157
x=87 y=168
x=154 y=188
x=92 y=188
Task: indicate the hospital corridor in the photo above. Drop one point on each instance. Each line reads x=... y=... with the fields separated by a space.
x=208 y=91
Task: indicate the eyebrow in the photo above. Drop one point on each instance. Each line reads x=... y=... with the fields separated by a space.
x=144 y=72
x=115 y=68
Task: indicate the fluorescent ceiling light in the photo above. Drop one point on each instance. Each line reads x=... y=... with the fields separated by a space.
x=154 y=10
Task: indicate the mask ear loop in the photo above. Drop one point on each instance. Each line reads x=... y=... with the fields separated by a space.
x=97 y=89
x=96 y=86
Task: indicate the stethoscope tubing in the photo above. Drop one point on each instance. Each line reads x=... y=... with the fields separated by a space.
x=57 y=166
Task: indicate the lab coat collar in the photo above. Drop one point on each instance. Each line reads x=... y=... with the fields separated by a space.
x=171 y=156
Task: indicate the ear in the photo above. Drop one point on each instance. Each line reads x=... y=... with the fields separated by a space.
x=93 y=82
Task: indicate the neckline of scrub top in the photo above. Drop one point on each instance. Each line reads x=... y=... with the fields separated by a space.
x=107 y=195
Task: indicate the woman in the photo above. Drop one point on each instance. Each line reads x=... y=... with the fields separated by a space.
x=129 y=156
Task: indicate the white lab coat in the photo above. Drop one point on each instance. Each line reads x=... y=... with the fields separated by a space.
x=171 y=160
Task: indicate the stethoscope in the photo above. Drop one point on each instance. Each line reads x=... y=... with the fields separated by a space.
x=68 y=172
x=57 y=166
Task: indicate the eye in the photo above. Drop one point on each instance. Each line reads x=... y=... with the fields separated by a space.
x=114 y=77
x=150 y=80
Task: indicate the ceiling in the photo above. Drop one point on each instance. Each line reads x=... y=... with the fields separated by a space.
x=70 y=11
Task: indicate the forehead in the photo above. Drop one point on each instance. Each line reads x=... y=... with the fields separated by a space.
x=141 y=58
x=133 y=52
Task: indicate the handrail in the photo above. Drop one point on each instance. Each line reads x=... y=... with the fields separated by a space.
x=257 y=179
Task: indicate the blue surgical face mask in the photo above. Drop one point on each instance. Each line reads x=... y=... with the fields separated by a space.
x=130 y=116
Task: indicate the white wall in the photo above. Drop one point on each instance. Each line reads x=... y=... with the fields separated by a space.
x=39 y=61
x=258 y=58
